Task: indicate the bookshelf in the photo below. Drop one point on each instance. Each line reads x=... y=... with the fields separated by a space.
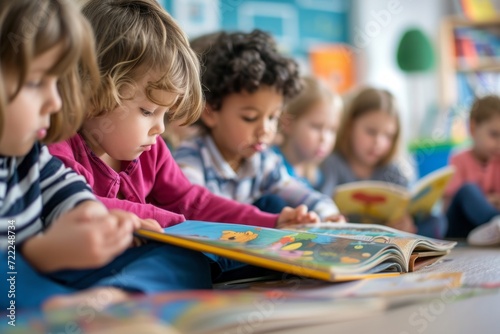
x=469 y=60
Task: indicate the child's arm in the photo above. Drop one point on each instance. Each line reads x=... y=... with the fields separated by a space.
x=85 y=237
x=294 y=192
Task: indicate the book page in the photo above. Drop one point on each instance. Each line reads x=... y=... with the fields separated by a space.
x=372 y=202
x=369 y=233
x=325 y=257
x=407 y=242
x=429 y=190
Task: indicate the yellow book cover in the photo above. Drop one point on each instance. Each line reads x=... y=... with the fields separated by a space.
x=377 y=202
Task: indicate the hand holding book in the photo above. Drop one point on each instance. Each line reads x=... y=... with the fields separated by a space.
x=299 y=215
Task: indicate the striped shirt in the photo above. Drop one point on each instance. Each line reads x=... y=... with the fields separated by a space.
x=34 y=190
x=263 y=173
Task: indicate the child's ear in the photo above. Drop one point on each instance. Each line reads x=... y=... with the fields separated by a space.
x=208 y=116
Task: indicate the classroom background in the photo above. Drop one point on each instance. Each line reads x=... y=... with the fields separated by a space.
x=434 y=56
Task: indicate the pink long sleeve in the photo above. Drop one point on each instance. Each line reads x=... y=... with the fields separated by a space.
x=153 y=186
x=470 y=170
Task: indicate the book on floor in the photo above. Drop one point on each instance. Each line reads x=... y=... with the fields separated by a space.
x=331 y=252
x=201 y=312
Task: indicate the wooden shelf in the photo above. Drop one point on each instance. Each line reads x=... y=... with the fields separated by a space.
x=450 y=66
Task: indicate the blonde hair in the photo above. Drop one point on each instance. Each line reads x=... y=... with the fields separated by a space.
x=366 y=101
x=30 y=28
x=134 y=37
x=313 y=91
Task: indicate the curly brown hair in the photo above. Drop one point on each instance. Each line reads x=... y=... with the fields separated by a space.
x=238 y=62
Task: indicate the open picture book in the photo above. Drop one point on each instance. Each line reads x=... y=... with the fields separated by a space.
x=377 y=202
x=331 y=252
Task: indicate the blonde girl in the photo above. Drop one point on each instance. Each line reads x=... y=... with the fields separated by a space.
x=309 y=126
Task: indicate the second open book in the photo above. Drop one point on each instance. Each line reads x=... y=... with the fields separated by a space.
x=327 y=251
x=379 y=202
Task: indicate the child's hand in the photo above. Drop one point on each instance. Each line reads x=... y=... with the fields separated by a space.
x=299 y=215
x=405 y=224
x=86 y=237
x=494 y=199
x=336 y=218
x=148 y=224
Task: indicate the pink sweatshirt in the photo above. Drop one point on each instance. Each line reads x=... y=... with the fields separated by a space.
x=470 y=170
x=153 y=186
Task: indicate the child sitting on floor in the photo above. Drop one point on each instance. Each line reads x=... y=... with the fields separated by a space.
x=246 y=84
x=62 y=247
x=473 y=194
x=365 y=149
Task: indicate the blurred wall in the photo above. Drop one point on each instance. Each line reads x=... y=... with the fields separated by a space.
x=376 y=29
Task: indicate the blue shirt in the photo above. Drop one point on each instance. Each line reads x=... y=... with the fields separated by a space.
x=291 y=170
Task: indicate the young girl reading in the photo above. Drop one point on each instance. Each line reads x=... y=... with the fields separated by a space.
x=58 y=244
x=474 y=191
x=308 y=126
x=246 y=84
x=147 y=71
x=365 y=149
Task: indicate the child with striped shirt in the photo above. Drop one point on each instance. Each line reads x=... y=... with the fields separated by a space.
x=58 y=244
x=246 y=84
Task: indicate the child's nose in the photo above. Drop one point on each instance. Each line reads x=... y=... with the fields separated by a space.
x=265 y=127
x=159 y=127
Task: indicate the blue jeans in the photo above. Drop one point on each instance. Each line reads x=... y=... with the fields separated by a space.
x=468 y=209
x=151 y=268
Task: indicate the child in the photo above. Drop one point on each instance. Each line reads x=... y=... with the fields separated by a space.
x=308 y=126
x=246 y=84
x=474 y=191
x=365 y=148
x=147 y=71
x=55 y=238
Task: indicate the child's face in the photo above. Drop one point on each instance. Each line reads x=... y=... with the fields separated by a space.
x=312 y=135
x=486 y=137
x=372 y=137
x=27 y=116
x=245 y=124
x=132 y=128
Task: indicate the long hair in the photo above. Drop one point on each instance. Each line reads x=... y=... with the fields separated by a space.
x=366 y=101
x=30 y=28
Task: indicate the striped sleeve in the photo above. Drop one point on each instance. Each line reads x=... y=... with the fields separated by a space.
x=62 y=188
x=188 y=157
